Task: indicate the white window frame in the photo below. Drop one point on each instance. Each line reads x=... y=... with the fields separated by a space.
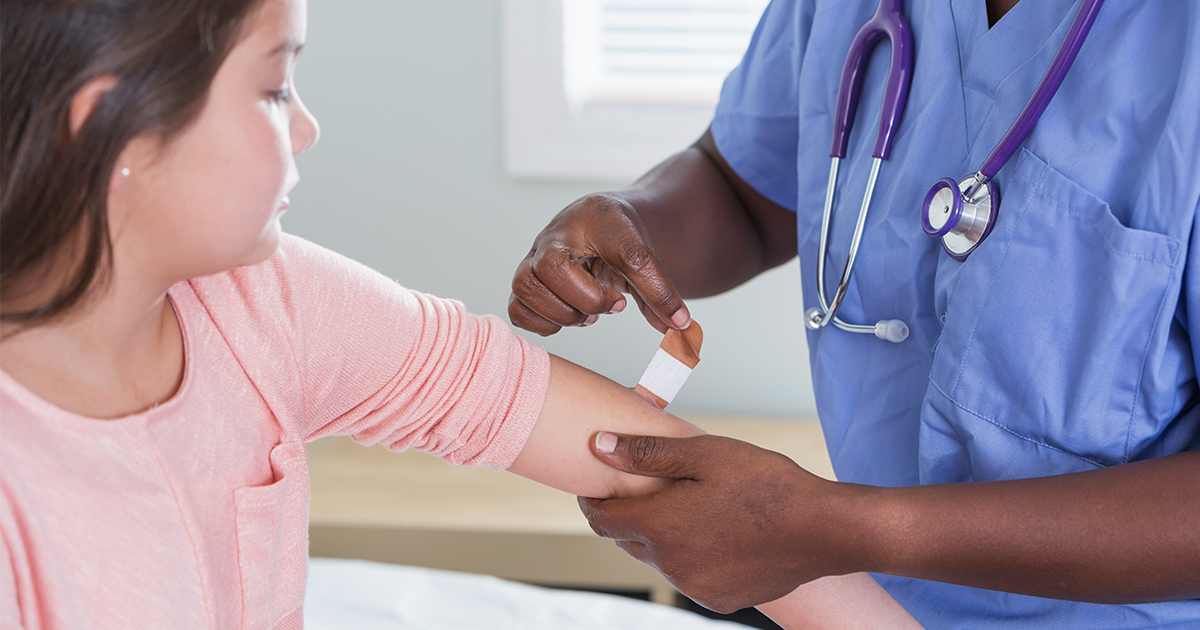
x=546 y=139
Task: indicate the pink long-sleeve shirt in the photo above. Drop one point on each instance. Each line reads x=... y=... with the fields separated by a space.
x=194 y=514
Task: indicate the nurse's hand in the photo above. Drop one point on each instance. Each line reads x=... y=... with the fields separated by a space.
x=741 y=526
x=582 y=264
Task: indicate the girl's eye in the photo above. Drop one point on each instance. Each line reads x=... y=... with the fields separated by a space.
x=282 y=96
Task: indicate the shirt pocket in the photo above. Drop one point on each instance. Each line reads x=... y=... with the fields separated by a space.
x=272 y=539
x=1048 y=327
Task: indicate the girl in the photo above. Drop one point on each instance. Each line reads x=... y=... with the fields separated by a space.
x=167 y=350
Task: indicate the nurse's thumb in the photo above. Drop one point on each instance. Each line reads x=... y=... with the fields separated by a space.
x=650 y=456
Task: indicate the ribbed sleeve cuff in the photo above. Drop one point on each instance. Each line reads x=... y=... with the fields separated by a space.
x=525 y=409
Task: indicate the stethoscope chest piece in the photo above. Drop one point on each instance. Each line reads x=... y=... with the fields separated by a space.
x=962 y=219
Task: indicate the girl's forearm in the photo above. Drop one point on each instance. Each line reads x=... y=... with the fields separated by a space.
x=836 y=602
x=580 y=403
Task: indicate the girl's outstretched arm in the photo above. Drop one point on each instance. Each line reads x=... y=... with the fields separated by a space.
x=839 y=602
x=580 y=403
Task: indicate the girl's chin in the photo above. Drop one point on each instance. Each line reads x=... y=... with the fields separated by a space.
x=266 y=245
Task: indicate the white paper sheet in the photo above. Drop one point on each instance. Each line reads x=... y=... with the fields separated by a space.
x=372 y=596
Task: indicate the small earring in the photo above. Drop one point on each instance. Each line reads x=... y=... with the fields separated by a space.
x=125 y=172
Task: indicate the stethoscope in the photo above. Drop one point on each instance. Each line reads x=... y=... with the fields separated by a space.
x=962 y=213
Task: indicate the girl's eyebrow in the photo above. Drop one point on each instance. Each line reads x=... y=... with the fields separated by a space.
x=288 y=47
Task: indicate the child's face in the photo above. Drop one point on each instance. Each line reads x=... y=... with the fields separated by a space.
x=211 y=199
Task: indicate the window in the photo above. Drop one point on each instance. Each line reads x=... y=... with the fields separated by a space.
x=605 y=89
x=661 y=51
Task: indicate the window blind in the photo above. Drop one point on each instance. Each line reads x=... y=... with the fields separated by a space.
x=653 y=51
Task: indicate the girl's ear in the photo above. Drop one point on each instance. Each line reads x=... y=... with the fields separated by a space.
x=85 y=99
x=119 y=175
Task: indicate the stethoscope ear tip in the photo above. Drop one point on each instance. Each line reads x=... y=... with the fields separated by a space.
x=892 y=330
x=812 y=318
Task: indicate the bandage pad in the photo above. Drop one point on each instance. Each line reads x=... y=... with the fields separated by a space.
x=672 y=364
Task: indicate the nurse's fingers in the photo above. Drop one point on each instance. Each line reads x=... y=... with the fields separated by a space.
x=610 y=278
x=580 y=263
x=637 y=550
x=607 y=276
x=541 y=299
x=631 y=524
x=651 y=317
x=633 y=257
x=618 y=520
x=524 y=317
x=570 y=274
x=538 y=308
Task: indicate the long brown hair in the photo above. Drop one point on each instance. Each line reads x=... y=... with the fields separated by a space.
x=54 y=183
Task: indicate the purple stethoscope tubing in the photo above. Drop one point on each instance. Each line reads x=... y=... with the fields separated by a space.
x=1046 y=89
x=979 y=192
x=887 y=22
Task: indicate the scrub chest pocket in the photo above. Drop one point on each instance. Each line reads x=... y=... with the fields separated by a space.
x=1046 y=334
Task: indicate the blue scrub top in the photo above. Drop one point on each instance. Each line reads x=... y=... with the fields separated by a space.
x=1061 y=344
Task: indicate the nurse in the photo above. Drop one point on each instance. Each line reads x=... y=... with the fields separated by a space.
x=1053 y=369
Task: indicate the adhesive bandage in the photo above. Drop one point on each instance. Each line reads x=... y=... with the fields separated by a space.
x=672 y=364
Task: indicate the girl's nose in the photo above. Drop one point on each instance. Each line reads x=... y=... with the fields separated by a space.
x=305 y=129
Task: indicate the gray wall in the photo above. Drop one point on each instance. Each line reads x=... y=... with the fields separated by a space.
x=408 y=179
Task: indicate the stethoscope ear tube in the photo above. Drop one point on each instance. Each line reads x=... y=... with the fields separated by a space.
x=887 y=22
x=892 y=330
x=816 y=318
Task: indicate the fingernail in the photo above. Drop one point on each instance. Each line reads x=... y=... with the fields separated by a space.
x=591 y=319
x=617 y=308
x=681 y=318
x=606 y=442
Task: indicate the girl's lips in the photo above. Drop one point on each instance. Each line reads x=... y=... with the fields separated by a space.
x=283 y=205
